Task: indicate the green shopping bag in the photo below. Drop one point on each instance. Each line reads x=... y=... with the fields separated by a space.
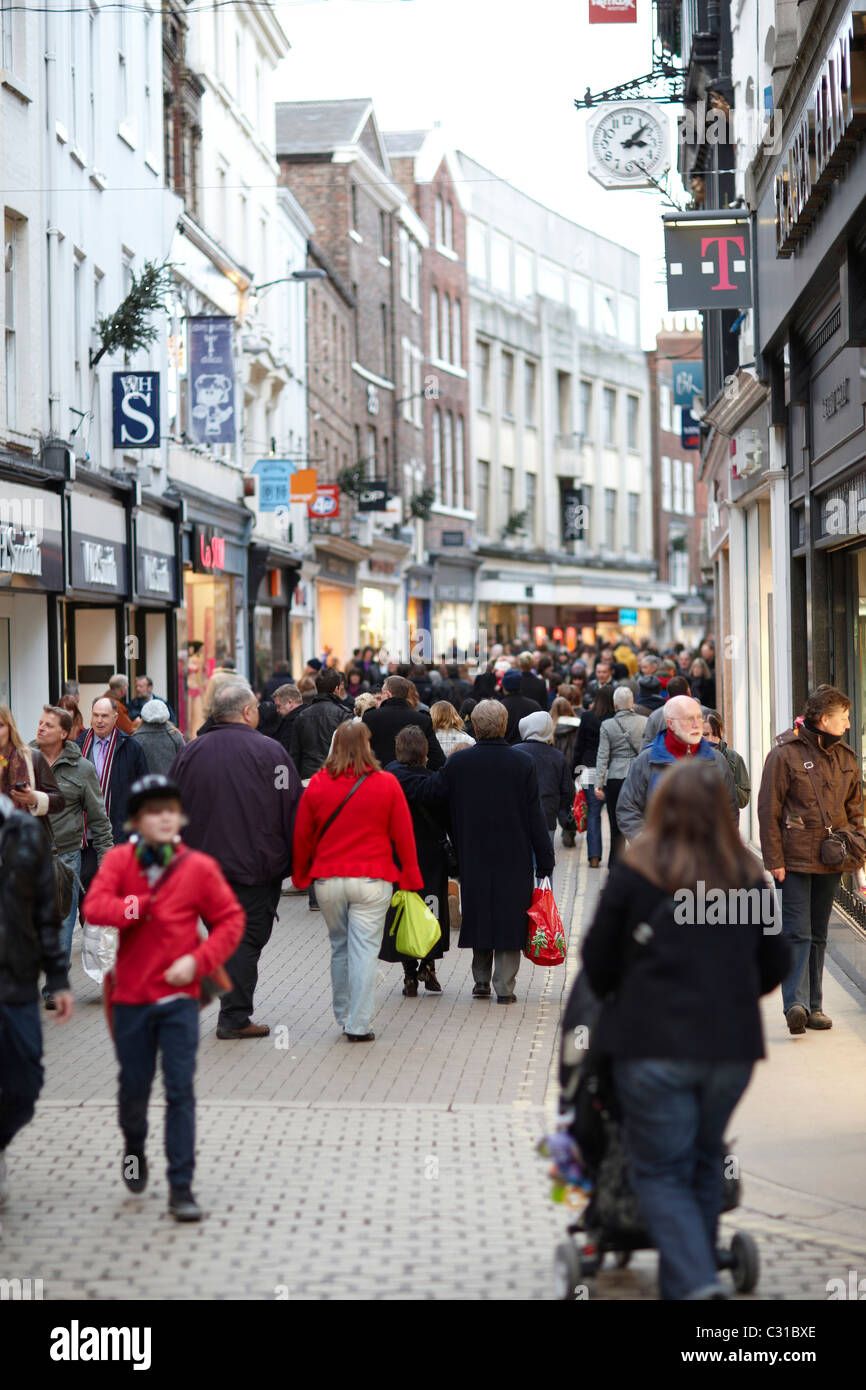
x=416 y=927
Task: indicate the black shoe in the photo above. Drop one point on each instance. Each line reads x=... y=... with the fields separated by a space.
x=49 y=1003
x=410 y=986
x=361 y=1037
x=428 y=975
x=796 y=1018
x=481 y=992
x=568 y=839
x=134 y=1170
x=506 y=998
x=182 y=1205
x=314 y=907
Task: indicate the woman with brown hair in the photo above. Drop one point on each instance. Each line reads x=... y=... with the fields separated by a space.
x=449 y=728
x=70 y=704
x=25 y=775
x=681 y=955
x=352 y=819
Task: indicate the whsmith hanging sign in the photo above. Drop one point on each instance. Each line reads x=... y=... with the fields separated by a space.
x=708 y=259
x=826 y=135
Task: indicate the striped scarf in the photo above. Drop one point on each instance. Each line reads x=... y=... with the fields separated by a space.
x=104 y=776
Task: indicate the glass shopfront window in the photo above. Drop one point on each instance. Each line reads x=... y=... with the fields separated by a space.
x=206 y=638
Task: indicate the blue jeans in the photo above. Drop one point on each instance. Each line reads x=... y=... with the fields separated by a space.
x=72 y=858
x=674 y=1116
x=140 y=1030
x=21 y=1071
x=806 y=901
x=593 y=823
x=354 y=910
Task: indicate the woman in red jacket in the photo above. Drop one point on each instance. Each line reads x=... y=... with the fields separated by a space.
x=154 y=889
x=352 y=819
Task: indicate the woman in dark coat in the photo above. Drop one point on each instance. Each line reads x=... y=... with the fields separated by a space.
x=498 y=825
x=431 y=824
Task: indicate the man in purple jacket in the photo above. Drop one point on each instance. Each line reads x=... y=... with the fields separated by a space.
x=240 y=793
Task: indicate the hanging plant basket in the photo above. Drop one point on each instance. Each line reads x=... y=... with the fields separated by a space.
x=128 y=329
x=420 y=504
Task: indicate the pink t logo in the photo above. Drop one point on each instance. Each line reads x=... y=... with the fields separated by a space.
x=722 y=243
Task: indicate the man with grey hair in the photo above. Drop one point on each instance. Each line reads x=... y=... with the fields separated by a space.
x=118 y=691
x=289 y=702
x=683 y=738
x=498 y=826
x=618 y=745
x=240 y=792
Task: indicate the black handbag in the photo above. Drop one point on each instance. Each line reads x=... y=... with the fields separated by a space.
x=446 y=844
x=64 y=877
x=838 y=849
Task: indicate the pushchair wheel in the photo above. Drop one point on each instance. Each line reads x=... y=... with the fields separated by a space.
x=745 y=1262
x=567 y=1270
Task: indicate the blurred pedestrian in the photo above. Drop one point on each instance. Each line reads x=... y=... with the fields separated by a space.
x=655 y=722
x=353 y=865
x=314 y=727
x=159 y=739
x=703 y=684
x=618 y=745
x=517 y=705
x=393 y=714
x=555 y=781
x=156 y=982
x=449 y=728
x=431 y=825
x=682 y=1022
x=585 y=756
x=714 y=733
x=70 y=704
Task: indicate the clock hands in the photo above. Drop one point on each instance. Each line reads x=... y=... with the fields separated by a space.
x=635 y=139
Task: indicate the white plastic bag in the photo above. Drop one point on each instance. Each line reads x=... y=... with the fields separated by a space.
x=98 y=950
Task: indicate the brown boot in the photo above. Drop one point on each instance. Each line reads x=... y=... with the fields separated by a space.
x=594 y=863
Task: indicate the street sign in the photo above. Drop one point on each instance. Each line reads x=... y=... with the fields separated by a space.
x=690 y=436
x=136 y=410
x=274 y=477
x=708 y=260
x=628 y=617
x=326 y=503
x=688 y=382
x=374 y=496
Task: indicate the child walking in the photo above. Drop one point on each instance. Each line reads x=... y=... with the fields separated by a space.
x=154 y=890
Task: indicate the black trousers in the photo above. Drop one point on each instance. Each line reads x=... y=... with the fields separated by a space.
x=259 y=901
x=612 y=789
x=89 y=865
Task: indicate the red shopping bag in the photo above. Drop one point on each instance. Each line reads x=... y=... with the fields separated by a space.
x=545 y=939
x=579 y=810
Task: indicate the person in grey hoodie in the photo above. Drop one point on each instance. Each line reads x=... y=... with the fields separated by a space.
x=618 y=745
x=78 y=781
x=555 y=781
x=160 y=741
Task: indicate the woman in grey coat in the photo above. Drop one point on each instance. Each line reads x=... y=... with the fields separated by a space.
x=618 y=745
x=160 y=741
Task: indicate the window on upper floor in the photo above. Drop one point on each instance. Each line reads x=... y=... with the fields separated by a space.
x=482 y=494
x=531 y=392
x=384 y=236
x=415 y=275
x=457 y=333
x=610 y=500
x=605 y=312
x=459 y=463
x=12 y=241
x=678 y=485
x=608 y=414
x=500 y=262
x=523 y=288
x=482 y=368
x=445 y=330
x=448 y=459
x=563 y=404
x=666 y=483
x=7 y=35
x=584 y=410
x=403 y=241
x=385 y=357
x=448 y=239
x=529 y=495
x=436 y=450
x=508 y=384
x=354 y=201
x=689 y=488
x=634 y=522
x=434 y=323
x=665 y=406
x=476 y=249
x=439 y=230
x=632 y=416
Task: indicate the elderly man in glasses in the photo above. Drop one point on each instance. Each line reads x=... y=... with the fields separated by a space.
x=682 y=738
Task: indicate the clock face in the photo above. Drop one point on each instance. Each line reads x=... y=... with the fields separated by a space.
x=626 y=143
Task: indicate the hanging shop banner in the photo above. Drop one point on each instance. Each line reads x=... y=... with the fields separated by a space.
x=688 y=382
x=31 y=538
x=572 y=514
x=708 y=261
x=274 y=477
x=135 y=400
x=690 y=435
x=211 y=381
x=302 y=486
x=613 y=11
x=325 y=506
x=374 y=496
x=207 y=550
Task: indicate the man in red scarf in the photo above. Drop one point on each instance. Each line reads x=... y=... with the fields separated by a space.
x=682 y=738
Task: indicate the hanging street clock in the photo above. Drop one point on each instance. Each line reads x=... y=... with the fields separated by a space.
x=628 y=145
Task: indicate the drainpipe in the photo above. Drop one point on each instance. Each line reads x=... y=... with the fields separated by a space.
x=53 y=232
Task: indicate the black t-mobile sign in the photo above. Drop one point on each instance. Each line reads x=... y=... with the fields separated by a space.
x=708 y=261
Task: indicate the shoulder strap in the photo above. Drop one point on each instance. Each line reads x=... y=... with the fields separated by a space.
x=334 y=814
x=809 y=769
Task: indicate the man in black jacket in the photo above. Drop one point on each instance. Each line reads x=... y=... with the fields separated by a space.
x=314 y=727
x=394 y=714
x=29 y=943
x=532 y=686
x=289 y=703
x=516 y=704
x=240 y=794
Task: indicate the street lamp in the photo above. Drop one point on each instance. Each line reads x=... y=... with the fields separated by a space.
x=285 y=279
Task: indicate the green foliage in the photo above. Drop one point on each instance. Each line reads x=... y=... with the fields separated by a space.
x=516 y=522
x=128 y=328
x=420 y=504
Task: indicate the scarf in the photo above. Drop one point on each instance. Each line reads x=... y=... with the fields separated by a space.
x=825 y=740
x=105 y=775
x=678 y=747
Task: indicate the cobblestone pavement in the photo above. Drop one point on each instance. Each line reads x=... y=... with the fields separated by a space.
x=401 y=1170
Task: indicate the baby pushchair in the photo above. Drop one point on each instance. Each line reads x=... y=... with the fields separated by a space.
x=611 y=1222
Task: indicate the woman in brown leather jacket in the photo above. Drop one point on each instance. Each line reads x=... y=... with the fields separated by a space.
x=811 y=787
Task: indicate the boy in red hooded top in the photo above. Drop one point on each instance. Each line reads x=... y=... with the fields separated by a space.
x=154 y=890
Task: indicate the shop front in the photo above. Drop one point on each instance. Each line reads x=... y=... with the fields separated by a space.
x=156 y=591
x=211 y=627
x=381 y=617
x=272 y=581
x=97 y=636
x=419 y=615
x=454 y=614
x=568 y=608
x=31 y=577
x=301 y=621
x=337 y=599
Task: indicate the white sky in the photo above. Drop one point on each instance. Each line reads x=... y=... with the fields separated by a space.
x=501 y=77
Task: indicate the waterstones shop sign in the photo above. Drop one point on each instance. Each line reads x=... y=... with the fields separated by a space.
x=825 y=139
